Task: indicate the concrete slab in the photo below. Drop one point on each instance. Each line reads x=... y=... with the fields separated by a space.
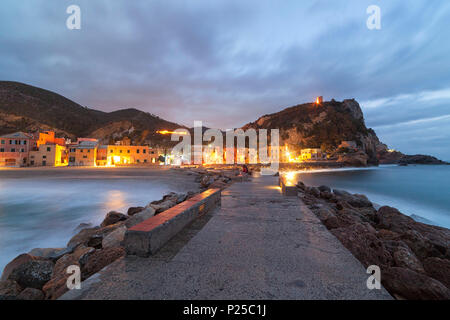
x=258 y=245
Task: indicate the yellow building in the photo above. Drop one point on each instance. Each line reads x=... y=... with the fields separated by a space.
x=125 y=155
x=312 y=154
x=52 y=155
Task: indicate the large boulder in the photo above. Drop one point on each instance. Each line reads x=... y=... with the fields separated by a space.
x=392 y=219
x=413 y=285
x=15 y=263
x=9 y=290
x=113 y=217
x=361 y=240
x=355 y=200
x=133 y=210
x=438 y=269
x=405 y=258
x=33 y=274
x=328 y=218
x=31 y=294
x=140 y=217
x=92 y=237
x=50 y=253
x=101 y=259
x=163 y=206
x=206 y=181
x=57 y=285
x=115 y=238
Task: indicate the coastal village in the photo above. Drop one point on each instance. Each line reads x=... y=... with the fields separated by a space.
x=44 y=149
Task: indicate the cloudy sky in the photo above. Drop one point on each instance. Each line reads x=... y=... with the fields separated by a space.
x=228 y=62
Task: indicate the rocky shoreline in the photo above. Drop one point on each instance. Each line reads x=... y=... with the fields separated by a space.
x=42 y=273
x=414 y=257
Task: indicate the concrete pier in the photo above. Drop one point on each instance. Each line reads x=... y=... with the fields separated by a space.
x=258 y=245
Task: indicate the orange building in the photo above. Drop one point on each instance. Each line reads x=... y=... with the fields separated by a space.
x=48 y=137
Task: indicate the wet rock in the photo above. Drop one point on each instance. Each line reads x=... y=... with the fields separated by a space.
x=325 y=189
x=391 y=219
x=115 y=238
x=438 y=269
x=101 y=259
x=206 y=181
x=15 y=263
x=413 y=285
x=181 y=197
x=421 y=245
x=82 y=237
x=405 y=258
x=326 y=195
x=34 y=273
x=140 y=217
x=82 y=226
x=133 y=210
x=95 y=241
x=328 y=218
x=31 y=294
x=313 y=191
x=163 y=206
x=349 y=217
x=9 y=290
x=361 y=240
x=93 y=237
x=57 y=285
x=50 y=253
x=113 y=217
x=388 y=234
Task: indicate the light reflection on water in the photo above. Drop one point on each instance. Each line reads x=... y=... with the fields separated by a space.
x=45 y=212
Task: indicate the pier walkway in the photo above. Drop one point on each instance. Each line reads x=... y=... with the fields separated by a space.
x=258 y=245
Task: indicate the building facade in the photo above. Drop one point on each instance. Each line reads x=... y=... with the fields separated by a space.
x=15 y=149
x=83 y=153
x=126 y=155
x=50 y=155
x=312 y=154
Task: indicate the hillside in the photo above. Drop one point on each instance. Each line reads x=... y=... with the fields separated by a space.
x=322 y=126
x=27 y=108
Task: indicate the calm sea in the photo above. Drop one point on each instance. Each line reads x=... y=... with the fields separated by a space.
x=418 y=190
x=43 y=211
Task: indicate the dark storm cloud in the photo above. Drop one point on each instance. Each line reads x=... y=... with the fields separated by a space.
x=228 y=62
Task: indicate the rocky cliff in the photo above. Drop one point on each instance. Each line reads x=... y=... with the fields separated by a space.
x=324 y=126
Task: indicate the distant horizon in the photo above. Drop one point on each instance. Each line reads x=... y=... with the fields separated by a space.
x=197 y=60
